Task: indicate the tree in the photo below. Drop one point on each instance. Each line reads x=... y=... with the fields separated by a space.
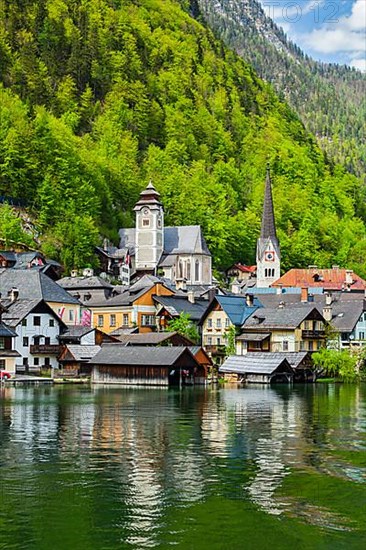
x=11 y=228
x=184 y=326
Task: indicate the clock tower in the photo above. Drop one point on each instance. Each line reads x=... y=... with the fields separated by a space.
x=268 y=248
x=149 y=242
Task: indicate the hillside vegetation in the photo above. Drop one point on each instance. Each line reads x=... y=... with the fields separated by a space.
x=330 y=99
x=98 y=96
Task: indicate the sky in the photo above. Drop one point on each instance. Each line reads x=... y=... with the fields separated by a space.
x=328 y=30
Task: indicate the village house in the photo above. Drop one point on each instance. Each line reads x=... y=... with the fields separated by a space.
x=283 y=329
x=148 y=366
x=8 y=354
x=223 y=313
x=30 y=260
x=87 y=288
x=134 y=307
x=37 y=329
x=334 y=279
x=238 y=273
x=177 y=253
x=169 y=308
x=34 y=285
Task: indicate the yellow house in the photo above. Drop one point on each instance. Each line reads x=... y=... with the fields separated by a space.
x=135 y=307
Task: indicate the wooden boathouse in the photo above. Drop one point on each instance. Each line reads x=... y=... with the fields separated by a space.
x=259 y=368
x=148 y=366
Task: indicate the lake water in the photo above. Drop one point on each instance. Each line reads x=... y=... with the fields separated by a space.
x=213 y=468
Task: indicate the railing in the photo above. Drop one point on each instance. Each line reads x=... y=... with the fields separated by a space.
x=215 y=349
x=45 y=349
x=313 y=334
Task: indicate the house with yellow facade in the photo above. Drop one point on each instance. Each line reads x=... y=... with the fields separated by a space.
x=135 y=307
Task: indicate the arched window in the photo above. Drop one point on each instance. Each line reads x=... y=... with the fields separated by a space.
x=188 y=268
x=197 y=271
x=266 y=272
x=180 y=269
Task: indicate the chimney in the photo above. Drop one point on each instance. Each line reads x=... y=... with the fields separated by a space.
x=235 y=287
x=279 y=289
x=88 y=272
x=14 y=294
x=249 y=299
x=74 y=273
x=211 y=294
x=304 y=295
x=349 y=277
x=190 y=295
x=328 y=299
x=181 y=284
x=328 y=313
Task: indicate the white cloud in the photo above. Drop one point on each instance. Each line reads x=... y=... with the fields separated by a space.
x=359 y=64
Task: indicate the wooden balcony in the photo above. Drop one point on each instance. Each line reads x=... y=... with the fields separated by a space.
x=215 y=350
x=313 y=334
x=45 y=349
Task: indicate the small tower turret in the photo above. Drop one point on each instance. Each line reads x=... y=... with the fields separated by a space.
x=149 y=229
x=268 y=248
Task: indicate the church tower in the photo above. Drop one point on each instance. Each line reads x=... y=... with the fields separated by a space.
x=149 y=242
x=268 y=248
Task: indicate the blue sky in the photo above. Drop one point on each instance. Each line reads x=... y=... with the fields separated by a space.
x=328 y=30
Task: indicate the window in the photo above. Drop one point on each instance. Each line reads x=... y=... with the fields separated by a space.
x=36 y=361
x=36 y=321
x=36 y=340
x=25 y=361
x=100 y=320
x=227 y=322
x=209 y=340
x=24 y=322
x=51 y=322
x=148 y=320
x=180 y=269
x=218 y=341
x=2 y=342
x=218 y=323
x=188 y=270
x=362 y=335
x=311 y=346
x=125 y=320
x=145 y=222
x=197 y=271
x=47 y=341
x=302 y=345
x=209 y=323
x=2 y=364
x=307 y=325
x=112 y=320
x=25 y=341
x=71 y=314
x=47 y=362
x=285 y=345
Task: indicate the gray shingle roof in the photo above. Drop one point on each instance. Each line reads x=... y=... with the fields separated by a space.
x=83 y=353
x=6 y=332
x=180 y=304
x=82 y=283
x=147 y=338
x=76 y=332
x=255 y=363
x=253 y=336
x=274 y=318
x=33 y=285
x=119 y=354
x=16 y=311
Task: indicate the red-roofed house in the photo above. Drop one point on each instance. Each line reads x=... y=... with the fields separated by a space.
x=241 y=272
x=335 y=278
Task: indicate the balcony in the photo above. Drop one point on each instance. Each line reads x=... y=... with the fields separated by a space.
x=313 y=334
x=45 y=349
x=215 y=350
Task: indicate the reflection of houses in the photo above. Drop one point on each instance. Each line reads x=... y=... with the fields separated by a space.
x=134 y=307
x=152 y=366
x=290 y=329
x=37 y=328
x=34 y=285
x=223 y=313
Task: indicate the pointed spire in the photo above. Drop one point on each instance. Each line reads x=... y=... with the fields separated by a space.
x=268 y=228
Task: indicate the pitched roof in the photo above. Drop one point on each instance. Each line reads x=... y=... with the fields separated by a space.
x=6 y=332
x=329 y=279
x=33 y=285
x=243 y=268
x=184 y=239
x=236 y=308
x=75 y=283
x=146 y=338
x=176 y=305
x=346 y=314
x=76 y=332
x=119 y=354
x=276 y=318
x=255 y=363
x=18 y=310
x=81 y=352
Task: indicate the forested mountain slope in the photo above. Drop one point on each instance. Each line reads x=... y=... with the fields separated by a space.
x=98 y=96
x=330 y=99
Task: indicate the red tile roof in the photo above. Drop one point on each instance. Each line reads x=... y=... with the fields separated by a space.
x=329 y=279
x=245 y=268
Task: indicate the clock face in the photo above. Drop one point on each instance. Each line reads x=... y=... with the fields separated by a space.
x=145 y=211
x=269 y=256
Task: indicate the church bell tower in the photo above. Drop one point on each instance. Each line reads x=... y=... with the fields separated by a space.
x=149 y=242
x=268 y=248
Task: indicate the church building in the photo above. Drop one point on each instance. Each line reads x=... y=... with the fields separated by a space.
x=177 y=253
x=268 y=248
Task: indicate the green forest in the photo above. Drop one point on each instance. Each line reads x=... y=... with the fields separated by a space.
x=99 y=96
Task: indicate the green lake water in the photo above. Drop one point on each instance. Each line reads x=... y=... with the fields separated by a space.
x=209 y=468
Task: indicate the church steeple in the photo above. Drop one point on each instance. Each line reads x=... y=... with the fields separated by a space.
x=149 y=241
x=268 y=228
x=268 y=248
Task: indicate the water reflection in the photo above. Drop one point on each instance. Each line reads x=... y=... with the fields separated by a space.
x=129 y=460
